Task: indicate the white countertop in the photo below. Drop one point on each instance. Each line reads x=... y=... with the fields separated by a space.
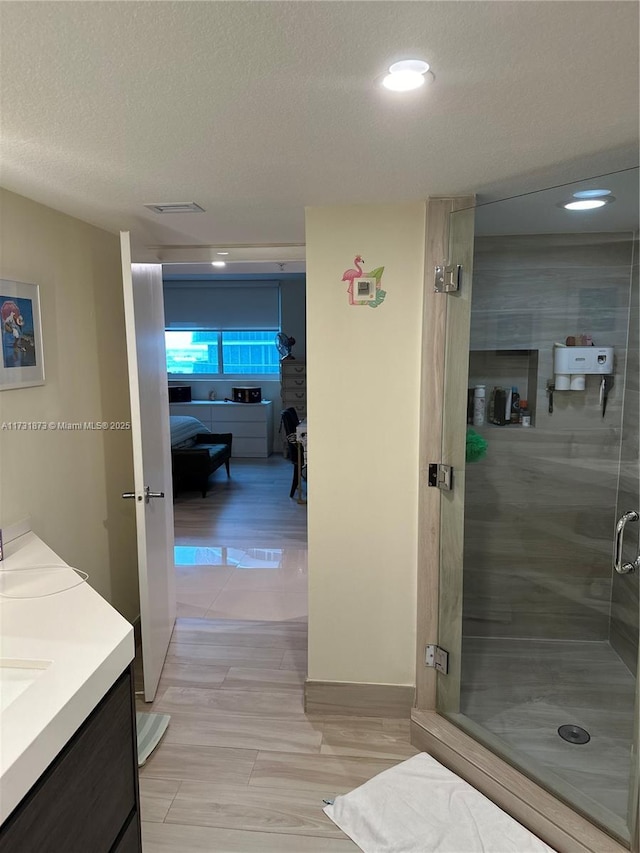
x=89 y=645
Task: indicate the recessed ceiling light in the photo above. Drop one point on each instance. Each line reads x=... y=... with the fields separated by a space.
x=417 y=65
x=222 y=253
x=586 y=204
x=218 y=264
x=591 y=193
x=403 y=81
x=406 y=75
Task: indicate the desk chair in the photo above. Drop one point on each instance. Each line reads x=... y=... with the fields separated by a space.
x=289 y=420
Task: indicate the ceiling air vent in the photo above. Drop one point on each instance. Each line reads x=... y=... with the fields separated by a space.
x=176 y=207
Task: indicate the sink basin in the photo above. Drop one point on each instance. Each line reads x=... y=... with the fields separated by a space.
x=18 y=675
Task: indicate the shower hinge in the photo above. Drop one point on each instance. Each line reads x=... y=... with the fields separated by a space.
x=440 y=475
x=438 y=658
x=447 y=278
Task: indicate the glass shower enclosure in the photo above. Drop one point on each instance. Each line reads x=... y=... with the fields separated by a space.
x=539 y=608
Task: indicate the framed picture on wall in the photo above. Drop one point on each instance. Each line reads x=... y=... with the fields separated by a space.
x=21 y=363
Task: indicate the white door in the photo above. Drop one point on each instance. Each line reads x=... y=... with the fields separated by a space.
x=152 y=488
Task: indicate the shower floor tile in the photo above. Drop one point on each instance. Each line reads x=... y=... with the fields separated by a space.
x=521 y=691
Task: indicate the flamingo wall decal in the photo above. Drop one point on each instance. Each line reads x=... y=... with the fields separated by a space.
x=350 y=275
x=354 y=274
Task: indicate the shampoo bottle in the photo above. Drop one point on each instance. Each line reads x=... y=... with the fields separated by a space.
x=491 y=410
x=507 y=406
x=499 y=406
x=478 y=405
x=515 y=406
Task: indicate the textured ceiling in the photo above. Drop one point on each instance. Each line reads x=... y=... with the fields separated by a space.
x=256 y=109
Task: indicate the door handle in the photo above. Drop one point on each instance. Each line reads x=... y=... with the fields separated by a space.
x=618 y=565
x=149 y=494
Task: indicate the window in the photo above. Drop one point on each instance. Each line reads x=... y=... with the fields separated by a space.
x=249 y=352
x=205 y=352
x=192 y=352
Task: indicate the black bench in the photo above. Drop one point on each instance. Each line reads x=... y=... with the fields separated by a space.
x=194 y=464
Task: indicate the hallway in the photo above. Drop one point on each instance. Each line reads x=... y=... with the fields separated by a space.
x=241 y=552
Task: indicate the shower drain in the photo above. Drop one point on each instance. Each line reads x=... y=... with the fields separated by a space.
x=574 y=734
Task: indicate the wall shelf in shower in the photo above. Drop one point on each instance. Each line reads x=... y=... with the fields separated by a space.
x=506 y=368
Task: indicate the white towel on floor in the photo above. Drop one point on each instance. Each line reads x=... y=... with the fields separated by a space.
x=419 y=806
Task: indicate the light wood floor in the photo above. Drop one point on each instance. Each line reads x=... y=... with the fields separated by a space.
x=242 y=767
x=251 y=509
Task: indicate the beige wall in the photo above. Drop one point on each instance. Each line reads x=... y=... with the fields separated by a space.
x=70 y=482
x=363 y=403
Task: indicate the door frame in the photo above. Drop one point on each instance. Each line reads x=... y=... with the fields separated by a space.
x=544 y=814
x=432 y=393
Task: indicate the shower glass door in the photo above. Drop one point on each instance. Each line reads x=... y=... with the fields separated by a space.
x=542 y=631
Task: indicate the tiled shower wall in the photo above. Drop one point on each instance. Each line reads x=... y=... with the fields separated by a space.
x=540 y=508
x=624 y=597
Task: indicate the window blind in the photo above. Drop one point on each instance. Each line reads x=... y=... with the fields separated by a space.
x=222 y=305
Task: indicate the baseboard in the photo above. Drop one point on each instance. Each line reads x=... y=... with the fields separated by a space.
x=358 y=699
x=549 y=818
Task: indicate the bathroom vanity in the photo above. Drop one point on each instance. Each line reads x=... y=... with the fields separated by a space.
x=68 y=760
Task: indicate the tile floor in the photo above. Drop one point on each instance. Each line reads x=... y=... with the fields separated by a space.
x=520 y=691
x=242 y=768
x=252 y=583
x=241 y=552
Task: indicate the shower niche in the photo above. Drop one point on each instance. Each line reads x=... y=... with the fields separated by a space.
x=506 y=368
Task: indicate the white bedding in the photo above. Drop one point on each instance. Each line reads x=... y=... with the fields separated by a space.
x=184 y=428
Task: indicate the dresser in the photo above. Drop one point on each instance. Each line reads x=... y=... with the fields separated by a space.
x=293 y=386
x=251 y=424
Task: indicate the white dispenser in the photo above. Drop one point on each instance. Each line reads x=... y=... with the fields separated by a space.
x=572 y=364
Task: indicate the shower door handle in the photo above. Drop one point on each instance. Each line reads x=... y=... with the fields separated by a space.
x=618 y=565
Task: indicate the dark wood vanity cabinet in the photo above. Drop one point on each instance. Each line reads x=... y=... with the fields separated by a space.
x=87 y=800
